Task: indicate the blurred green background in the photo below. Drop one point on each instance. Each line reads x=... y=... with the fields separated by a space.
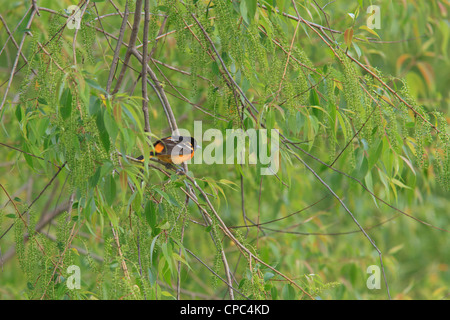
x=318 y=247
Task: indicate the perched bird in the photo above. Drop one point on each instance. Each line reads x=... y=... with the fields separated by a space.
x=173 y=149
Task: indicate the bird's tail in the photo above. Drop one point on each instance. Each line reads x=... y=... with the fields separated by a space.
x=141 y=158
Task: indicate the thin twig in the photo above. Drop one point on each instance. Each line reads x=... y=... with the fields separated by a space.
x=16 y=61
x=115 y=59
x=162 y=95
x=119 y=249
x=289 y=53
x=180 y=250
x=350 y=213
x=35 y=199
x=144 y=67
x=215 y=274
x=69 y=242
x=27 y=153
x=74 y=41
x=131 y=45
x=10 y=36
x=230 y=235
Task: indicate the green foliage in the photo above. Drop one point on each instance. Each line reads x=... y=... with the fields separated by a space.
x=134 y=230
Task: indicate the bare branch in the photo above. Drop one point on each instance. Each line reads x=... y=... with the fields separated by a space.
x=115 y=59
x=16 y=61
x=131 y=45
x=144 y=67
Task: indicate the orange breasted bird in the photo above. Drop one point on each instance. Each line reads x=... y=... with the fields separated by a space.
x=173 y=149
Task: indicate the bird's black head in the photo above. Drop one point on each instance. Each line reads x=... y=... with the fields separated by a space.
x=194 y=143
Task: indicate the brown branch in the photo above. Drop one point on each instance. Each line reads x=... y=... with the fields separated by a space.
x=35 y=199
x=41 y=248
x=10 y=36
x=241 y=247
x=314 y=26
x=46 y=219
x=349 y=213
x=27 y=153
x=145 y=58
x=16 y=61
x=289 y=53
x=131 y=45
x=69 y=242
x=74 y=41
x=182 y=97
x=115 y=59
x=161 y=93
x=122 y=259
x=343 y=233
x=215 y=274
x=279 y=219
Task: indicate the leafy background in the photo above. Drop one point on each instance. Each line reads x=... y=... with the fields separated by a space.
x=135 y=240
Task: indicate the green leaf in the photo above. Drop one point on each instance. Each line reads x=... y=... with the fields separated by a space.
x=248 y=10
x=65 y=104
x=215 y=68
x=363 y=168
x=110 y=189
x=28 y=158
x=370 y=30
x=400 y=184
x=369 y=184
x=268 y=276
x=165 y=225
x=270 y=119
x=248 y=123
x=274 y=293
x=375 y=152
x=94 y=179
x=152 y=248
x=111 y=126
x=104 y=136
x=167 y=254
x=18 y=112
x=313 y=98
x=150 y=213
x=151 y=276
x=288 y=292
x=166 y=196
x=181 y=259
x=94 y=105
x=162 y=8
x=357 y=49
x=95 y=85
x=167 y=294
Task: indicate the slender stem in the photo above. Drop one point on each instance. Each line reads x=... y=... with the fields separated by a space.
x=10 y=36
x=289 y=53
x=113 y=68
x=16 y=61
x=74 y=41
x=349 y=212
x=165 y=102
x=144 y=67
x=131 y=45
